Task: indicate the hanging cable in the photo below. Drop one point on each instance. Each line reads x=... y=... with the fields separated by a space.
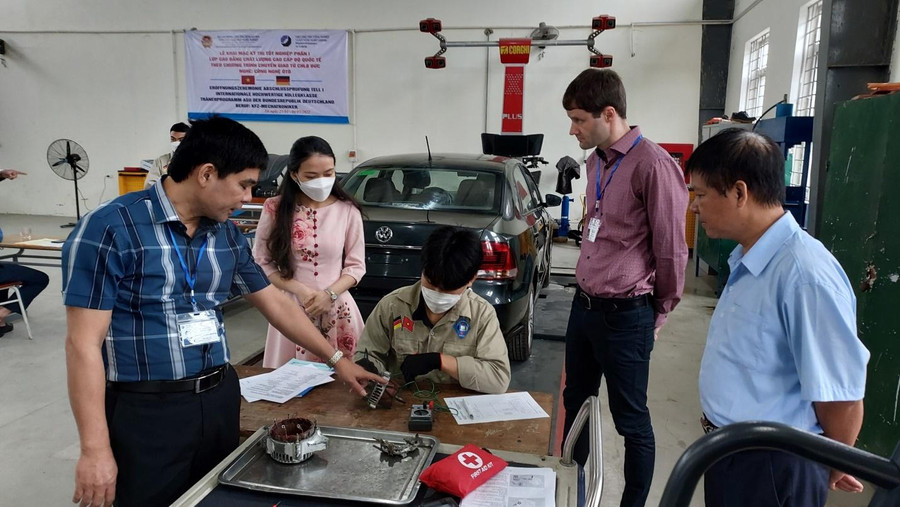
x=773 y=106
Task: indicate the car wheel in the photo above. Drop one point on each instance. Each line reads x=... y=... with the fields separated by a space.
x=520 y=345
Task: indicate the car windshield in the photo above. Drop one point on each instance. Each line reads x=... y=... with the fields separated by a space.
x=426 y=188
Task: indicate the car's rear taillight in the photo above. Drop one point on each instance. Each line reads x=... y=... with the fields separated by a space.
x=499 y=262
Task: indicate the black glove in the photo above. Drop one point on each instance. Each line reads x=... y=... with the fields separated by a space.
x=420 y=364
x=368 y=365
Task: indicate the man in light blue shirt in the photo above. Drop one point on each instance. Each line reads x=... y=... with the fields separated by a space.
x=782 y=342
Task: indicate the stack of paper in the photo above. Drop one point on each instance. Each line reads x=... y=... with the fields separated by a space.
x=494 y=407
x=294 y=378
x=515 y=486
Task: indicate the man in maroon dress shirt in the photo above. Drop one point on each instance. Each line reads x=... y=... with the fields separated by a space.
x=630 y=272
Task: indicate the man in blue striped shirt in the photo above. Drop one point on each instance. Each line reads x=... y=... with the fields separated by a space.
x=155 y=401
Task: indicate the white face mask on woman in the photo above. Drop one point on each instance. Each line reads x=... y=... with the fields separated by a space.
x=317 y=189
x=439 y=302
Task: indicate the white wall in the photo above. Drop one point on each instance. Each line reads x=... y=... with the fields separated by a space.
x=895 y=58
x=781 y=17
x=118 y=91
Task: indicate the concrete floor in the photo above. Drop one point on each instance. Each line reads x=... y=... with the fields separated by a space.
x=39 y=441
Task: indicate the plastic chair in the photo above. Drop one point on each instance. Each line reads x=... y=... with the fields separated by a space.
x=14 y=289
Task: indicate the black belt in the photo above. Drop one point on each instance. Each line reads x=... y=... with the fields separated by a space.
x=204 y=381
x=707 y=426
x=611 y=305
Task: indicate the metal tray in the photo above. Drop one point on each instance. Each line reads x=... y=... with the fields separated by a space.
x=350 y=468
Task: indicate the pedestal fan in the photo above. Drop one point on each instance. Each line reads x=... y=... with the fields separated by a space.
x=68 y=160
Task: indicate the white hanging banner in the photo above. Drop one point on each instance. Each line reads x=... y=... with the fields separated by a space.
x=268 y=75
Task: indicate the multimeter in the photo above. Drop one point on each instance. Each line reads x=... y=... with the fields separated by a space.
x=420 y=417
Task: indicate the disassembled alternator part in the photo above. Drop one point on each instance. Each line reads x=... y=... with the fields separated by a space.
x=378 y=390
x=294 y=440
x=398 y=449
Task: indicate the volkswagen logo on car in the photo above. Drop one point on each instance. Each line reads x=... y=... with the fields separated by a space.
x=384 y=234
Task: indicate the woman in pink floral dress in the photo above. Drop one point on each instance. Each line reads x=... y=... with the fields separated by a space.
x=310 y=243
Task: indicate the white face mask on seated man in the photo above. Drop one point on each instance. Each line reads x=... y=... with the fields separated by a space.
x=439 y=302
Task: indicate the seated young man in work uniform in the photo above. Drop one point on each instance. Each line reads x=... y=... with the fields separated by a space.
x=438 y=328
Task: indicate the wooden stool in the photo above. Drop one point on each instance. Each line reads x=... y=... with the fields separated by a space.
x=14 y=288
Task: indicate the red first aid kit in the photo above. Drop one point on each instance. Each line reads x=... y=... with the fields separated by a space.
x=462 y=472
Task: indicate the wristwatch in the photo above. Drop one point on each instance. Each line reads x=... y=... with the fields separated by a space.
x=331 y=293
x=334 y=359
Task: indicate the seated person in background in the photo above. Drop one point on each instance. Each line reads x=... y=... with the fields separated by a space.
x=438 y=328
x=161 y=164
x=33 y=281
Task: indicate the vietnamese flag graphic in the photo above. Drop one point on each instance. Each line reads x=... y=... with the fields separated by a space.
x=283 y=80
x=407 y=324
x=248 y=80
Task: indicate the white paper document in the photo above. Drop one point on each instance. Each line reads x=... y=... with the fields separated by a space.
x=320 y=366
x=515 y=487
x=284 y=383
x=495 y=407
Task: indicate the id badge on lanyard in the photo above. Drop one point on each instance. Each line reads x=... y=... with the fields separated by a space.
x=593 y=228
x=595 y=223
x=198 y=327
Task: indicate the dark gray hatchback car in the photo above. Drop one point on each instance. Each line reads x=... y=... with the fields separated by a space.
x=406 y=197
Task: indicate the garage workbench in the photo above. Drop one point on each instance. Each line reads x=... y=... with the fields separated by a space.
x=521 y=443
x=333 y=404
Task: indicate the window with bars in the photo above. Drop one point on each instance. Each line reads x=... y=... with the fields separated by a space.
x=756 y=59
x=809 y=33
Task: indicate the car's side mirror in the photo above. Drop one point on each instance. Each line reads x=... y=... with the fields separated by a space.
x=552 y=200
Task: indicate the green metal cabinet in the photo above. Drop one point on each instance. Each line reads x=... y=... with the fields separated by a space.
x=714 y=252
x=861 y=226
x=787 y=131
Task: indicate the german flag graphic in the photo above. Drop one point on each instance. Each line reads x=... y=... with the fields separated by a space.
x=283 y=80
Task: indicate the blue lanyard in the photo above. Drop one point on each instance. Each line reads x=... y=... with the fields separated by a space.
x=191 y=279
x=611 y=173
